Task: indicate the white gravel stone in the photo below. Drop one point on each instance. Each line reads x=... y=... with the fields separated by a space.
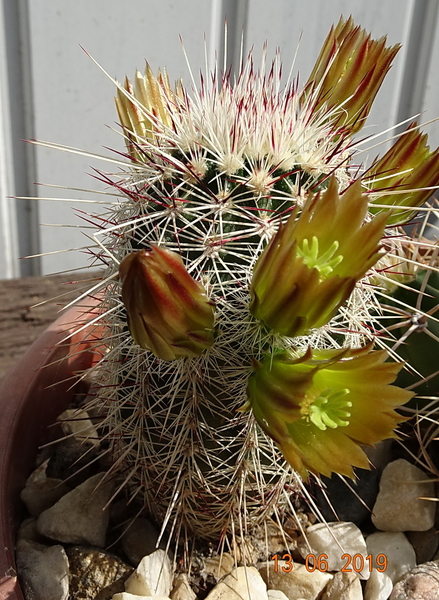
x=297 y=583
x=127 y=596
x=344 y=586
x=182 y=590
x=335 y=540
x=153 y=576
x=218 y=566
x=398 y=506
x=79 y=517
x=378 y=587
x=76 y=423
x=399 y=553
x=44 y=571
x=276 y=595
x=243 y=583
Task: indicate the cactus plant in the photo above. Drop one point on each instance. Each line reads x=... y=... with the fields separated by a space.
x=249 y=265
x=415 y=326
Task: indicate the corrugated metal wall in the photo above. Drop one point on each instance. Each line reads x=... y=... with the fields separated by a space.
x=51 y=90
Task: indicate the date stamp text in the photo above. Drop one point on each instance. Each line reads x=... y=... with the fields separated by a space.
x=319 y=562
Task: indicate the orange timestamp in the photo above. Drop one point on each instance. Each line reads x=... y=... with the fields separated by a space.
x=319 y=562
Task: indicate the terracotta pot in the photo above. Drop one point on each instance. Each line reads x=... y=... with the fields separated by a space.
x=32 y=396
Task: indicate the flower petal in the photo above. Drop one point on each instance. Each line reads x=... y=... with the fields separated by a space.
x=321 y=407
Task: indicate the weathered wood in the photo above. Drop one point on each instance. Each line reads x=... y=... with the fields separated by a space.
x=29 y=305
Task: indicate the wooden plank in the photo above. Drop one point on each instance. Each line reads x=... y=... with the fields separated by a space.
x=21 y=321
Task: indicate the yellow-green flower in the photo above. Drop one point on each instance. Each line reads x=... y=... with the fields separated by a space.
x=348 y=74
x=168 y=311
x=321 y=407
x=404 y=177
x=312 y=264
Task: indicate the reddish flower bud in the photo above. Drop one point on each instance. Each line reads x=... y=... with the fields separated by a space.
x=168 y=311
x=348 y=74
x=403 y=177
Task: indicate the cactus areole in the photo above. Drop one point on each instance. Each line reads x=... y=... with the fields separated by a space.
x=248 y=266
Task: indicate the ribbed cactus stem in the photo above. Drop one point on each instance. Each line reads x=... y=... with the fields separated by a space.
x=251 y=270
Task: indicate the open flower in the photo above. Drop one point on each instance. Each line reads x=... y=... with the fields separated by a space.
x=168 y=311
x=348 y=74
x=404 y=177
x=321 y=407
x=312 y=264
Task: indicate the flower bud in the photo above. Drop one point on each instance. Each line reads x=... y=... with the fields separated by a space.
x=168 y=311
x=403 y=177
x=348 y=74
x=321 y=407
x=396 y=268
x=314 y=261
x=145 y=108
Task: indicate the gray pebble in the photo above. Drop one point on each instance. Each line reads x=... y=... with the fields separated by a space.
x=44 y=571
x=400 y=504
x=425 y=544
x=422 y=583
x=41 y=495
x=80 y=516
x=139 y=540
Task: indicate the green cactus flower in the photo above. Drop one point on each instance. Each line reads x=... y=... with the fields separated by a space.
x=348 y=75
x=313 y=263
x=144 y=109
x=322 y=406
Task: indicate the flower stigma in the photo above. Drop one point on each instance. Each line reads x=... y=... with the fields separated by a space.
x=329 y=409
x=325 y=263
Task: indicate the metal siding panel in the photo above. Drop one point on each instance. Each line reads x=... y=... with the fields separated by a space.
x=430 y=104
x=8 y=250
x=284 y=22
x=74 y=100
x=8 y=225
x=18 y=226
